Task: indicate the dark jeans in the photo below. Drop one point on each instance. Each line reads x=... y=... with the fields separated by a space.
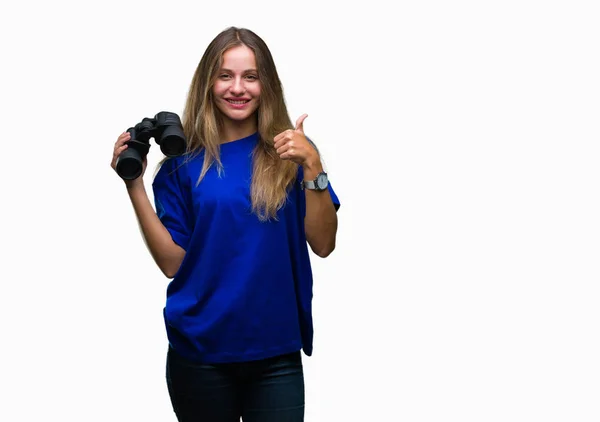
x=269 y=390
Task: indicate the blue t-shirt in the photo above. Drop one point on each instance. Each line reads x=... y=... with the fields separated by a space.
x=244 y=289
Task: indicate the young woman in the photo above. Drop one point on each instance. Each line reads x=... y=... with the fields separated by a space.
x=234 y=218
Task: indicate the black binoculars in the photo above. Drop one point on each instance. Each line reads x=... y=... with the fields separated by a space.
x=167 y=131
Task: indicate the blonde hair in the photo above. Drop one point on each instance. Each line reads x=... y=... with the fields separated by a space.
x=271 y=176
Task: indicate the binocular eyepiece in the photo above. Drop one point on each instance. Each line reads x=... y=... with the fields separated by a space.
x=167 y=131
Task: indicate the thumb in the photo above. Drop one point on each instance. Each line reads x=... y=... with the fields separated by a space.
x=300 y=122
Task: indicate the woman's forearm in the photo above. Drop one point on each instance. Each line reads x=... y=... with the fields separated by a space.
x=167 y=254
x=320 y=222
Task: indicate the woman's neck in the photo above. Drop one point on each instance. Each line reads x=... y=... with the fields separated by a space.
x=233 y=131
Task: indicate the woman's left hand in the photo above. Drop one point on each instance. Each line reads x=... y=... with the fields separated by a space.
x=292 y=145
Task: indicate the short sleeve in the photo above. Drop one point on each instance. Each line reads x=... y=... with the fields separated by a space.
x=172 y=202
x=334 y=198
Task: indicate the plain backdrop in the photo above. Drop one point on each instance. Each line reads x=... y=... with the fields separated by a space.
x=461 y=138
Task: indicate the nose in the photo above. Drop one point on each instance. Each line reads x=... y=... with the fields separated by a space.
x=237 y=87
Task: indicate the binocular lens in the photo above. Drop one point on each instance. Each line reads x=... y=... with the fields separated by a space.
x=129 y=164
x=172 y=143
x=172 y=146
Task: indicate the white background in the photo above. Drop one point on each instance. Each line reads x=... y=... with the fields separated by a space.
x=461 y=138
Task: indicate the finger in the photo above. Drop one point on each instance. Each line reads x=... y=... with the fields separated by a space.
x=118 y=151
x=280 y=143
x=288 y=155
x=124 y=137
x=300 y=122
x=116 y=154
x=278 y=137
x=287 y=141
x=283 y=135
x=283 y=148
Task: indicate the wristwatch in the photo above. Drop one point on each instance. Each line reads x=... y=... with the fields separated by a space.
x=319 y=184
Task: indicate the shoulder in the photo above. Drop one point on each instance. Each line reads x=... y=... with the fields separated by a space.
x=172 y=167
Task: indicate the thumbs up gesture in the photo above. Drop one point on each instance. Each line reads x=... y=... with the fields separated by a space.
x=293 y=145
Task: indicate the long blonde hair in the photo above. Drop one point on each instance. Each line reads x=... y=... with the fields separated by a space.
x=271 y=176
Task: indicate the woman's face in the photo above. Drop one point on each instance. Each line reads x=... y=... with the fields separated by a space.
x=237 y=88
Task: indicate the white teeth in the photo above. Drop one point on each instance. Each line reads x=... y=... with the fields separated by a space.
x=238 y=102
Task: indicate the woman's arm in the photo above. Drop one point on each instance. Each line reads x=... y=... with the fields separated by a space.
x=166 y=253
x=320 y=222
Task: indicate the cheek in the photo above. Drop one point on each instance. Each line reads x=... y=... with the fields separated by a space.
x=218 y=89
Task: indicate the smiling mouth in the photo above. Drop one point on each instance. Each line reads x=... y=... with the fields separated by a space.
x=238 y=102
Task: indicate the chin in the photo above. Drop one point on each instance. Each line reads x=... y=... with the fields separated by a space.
x=238 y=118
x=237 y=115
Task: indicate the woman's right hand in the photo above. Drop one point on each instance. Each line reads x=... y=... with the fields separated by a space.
x=121 y=146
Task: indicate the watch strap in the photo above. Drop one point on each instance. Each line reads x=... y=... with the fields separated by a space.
x=310 y=184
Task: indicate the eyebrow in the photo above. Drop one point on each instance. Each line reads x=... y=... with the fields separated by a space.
x=245 y=71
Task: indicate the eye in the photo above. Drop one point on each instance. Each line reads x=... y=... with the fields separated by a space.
x=252 y=77
x=224 y=76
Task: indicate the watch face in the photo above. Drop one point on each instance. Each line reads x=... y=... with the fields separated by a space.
x=322 y=181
